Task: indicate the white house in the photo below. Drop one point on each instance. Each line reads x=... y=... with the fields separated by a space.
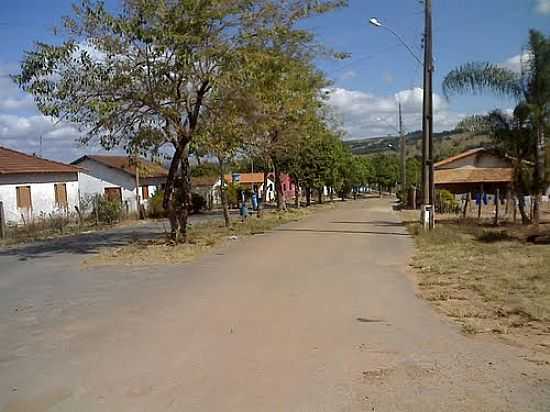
x=31 y=186
x=115 y=178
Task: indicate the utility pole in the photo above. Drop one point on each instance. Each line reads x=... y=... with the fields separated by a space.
x=41 y=146
x=403 y=155
x=427 y=212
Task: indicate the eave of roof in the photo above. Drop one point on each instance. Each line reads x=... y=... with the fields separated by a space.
x=13 y=162
x=148 y=169
x=459 y=156
x=473 y=175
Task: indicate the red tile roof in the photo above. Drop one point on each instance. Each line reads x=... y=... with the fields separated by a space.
x=14 y=162
x=459 y=156
x=247 y=178
x=473 y=175
x=147 y=169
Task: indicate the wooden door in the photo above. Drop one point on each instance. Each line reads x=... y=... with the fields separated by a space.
x=24 y=200
x=61 y=195
x=113 y=194
x=145 y=192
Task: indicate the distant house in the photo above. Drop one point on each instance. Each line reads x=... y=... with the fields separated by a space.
x=473 y=171
x=253 y=182
x=115 y=178
x=207 y=187
x=31 y=186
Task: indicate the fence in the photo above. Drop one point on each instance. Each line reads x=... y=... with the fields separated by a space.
x=94 y=211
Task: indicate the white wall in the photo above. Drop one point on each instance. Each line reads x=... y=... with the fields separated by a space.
x=96 y=177
x=42 y=194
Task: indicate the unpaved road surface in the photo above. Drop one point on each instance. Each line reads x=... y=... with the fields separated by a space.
x=320 y=315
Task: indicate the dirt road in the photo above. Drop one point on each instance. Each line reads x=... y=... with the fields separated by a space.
x=320 y=315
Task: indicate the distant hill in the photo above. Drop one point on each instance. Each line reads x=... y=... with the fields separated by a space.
x=447 y=143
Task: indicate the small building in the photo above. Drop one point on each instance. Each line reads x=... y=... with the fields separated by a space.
x=473 y=171
x=253 y=182
x=115 y=178
x=32 y=187
x=207 y=187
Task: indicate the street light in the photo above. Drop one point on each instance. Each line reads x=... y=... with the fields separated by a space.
x=377 y=23
x=428 y=186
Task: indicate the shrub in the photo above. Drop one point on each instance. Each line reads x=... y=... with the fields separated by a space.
x=198 y=203
x=156 y=210
x=445 y=202
x=154 y=206
x=232 y=194
x=107 y=211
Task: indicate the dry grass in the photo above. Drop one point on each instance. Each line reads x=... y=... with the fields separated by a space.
x=201 y=238
x=489 y=279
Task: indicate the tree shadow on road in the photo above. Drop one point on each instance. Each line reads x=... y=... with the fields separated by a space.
x=344 y=232
x=83 y=244
x=378 y=223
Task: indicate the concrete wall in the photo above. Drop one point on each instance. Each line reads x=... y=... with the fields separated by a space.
x=96 y=177
x=42 y=195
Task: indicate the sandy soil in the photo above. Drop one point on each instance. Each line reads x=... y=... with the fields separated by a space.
x=319 y=315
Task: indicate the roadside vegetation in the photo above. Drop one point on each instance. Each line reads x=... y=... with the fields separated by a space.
x=202 y=237
x=490 y=279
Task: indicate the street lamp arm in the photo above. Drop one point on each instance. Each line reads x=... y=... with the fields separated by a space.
x=403 y=43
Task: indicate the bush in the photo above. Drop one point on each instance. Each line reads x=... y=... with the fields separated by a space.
x=155 y=209
x=232 y=193
x=107 y=211
x=198 y=203
x=445 y=202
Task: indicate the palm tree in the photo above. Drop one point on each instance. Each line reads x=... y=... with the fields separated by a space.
x=512 y=135
x=531 y=88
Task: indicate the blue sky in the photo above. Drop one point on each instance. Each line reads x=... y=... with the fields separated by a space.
x=365 y=86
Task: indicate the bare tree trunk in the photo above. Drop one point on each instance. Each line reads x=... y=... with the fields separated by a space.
x=539 y=175
x=320 y=194
x=308 y=196
x=223 y=194
x=281 y=201
x=466 y=206
x=169 y=201
x=521 y=207
x=296 y=194
x=183 y=208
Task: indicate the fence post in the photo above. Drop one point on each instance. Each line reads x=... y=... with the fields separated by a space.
x=480 y=203
x=2 y=221
x=497 y=201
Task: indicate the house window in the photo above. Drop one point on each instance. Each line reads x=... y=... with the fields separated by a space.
x=61 y=195
x=145 y=192
x=24 y=200
x=284 y=187
x=113 y=194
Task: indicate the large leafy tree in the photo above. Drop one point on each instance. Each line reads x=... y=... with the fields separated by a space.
x=144 y=76
x=531 y=87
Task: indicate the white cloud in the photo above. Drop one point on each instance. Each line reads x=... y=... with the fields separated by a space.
x=22 y=125
x=23 y=133
x=368 y=115
x=515 y=63
x=543 y=6
x=11 y=98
